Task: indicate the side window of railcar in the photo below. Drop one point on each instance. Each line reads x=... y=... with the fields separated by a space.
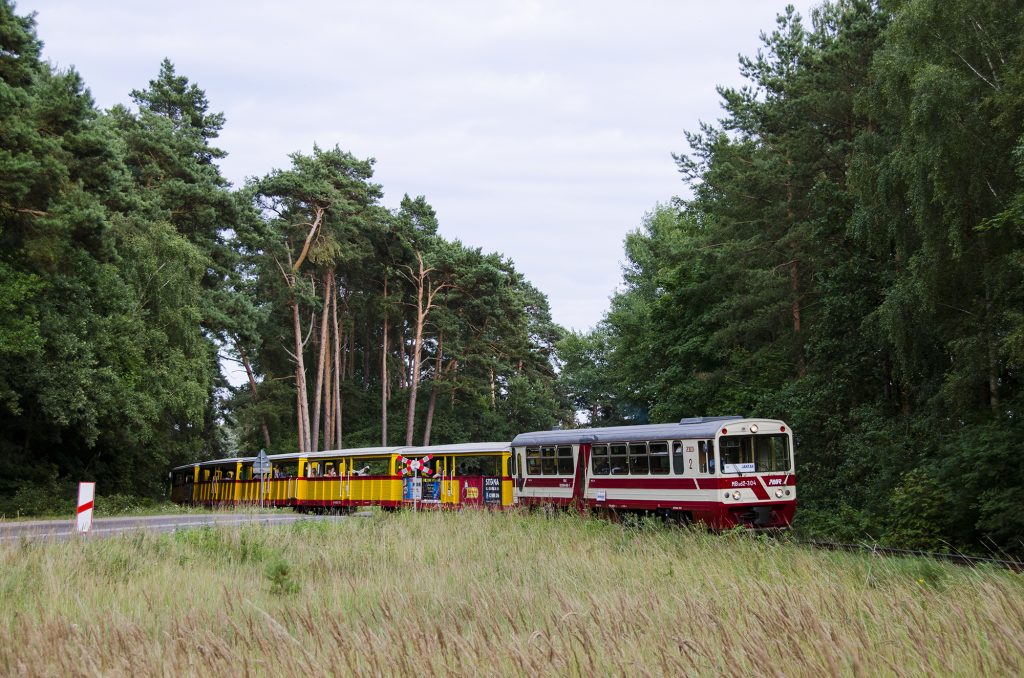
x=599 y=460
x=706 y=455
x=659 y=458
x=533 y=461
x=678 y=462
x=638 y=464
x=477 y=465
x=565 y=465
x=547 y=461
x=378 y=466
x=618 y=460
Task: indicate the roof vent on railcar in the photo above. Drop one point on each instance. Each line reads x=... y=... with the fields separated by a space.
x=701 y=420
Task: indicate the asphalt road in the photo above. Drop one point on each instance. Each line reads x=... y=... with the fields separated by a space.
x=108 y=527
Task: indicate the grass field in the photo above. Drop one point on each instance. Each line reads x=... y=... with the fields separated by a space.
x=483 y=594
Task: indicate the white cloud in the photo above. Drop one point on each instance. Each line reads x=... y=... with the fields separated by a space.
x=539 y=129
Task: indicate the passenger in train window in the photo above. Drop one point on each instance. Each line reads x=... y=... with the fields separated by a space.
x=365 y=471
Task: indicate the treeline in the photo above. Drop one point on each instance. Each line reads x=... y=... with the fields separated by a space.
x=130 y=270
x=851 y=261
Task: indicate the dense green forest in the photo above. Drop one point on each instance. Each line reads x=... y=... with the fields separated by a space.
x=130 y=271
x=851 y=261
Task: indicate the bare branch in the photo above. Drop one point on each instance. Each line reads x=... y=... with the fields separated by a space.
x=309 y=238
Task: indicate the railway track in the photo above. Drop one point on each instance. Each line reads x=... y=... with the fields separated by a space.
x=954 y=558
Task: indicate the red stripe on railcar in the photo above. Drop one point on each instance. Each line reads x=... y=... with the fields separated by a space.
x=739 y=482
x=565 y=483
x=624 y=482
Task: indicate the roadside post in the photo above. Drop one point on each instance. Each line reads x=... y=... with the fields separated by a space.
x=86 y=495
x=262 y=467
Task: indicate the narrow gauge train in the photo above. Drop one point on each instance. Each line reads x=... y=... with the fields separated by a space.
x=721 y=471
x=471 y=474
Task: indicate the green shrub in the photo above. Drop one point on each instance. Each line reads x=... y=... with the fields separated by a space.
x=844 y=524
x=279 y=574
x=40 y=499
x=918 y=513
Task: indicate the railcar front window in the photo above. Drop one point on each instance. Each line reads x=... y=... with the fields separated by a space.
x=772 y=453
x=754 y=454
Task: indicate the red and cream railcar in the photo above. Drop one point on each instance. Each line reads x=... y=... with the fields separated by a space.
x=722 y=471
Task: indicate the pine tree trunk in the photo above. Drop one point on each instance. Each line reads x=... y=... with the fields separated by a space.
x=434 y=387
x=367 y=342
x=494 y=393
x=337 y=366
x=794 y=286
x=329 y=395
x=302 y=398
x=403 y=367
x=414 y=381
x=384 y=382
x=351 y=352
x=255 y=394
x=991 y=356
x=320 y=365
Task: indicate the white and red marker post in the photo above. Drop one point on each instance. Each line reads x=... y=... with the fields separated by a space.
x=86 y=495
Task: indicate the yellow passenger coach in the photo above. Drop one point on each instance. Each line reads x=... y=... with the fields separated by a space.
x=448 y=476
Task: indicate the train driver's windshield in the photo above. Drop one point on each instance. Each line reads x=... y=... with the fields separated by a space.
x=754 y=454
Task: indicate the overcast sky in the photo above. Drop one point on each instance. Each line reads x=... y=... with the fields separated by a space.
x=542 y=130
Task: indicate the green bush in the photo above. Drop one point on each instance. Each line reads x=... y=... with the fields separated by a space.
x=40 y=499
x=123 y=504
x=918 y=513
x=844 y=524
x=279 y=573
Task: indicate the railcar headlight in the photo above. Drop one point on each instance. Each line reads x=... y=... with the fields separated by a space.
x=736 y=494
x=753 y=428
x=778 y=493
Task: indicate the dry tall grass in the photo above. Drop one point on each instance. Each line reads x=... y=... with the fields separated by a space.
x=477 y=593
